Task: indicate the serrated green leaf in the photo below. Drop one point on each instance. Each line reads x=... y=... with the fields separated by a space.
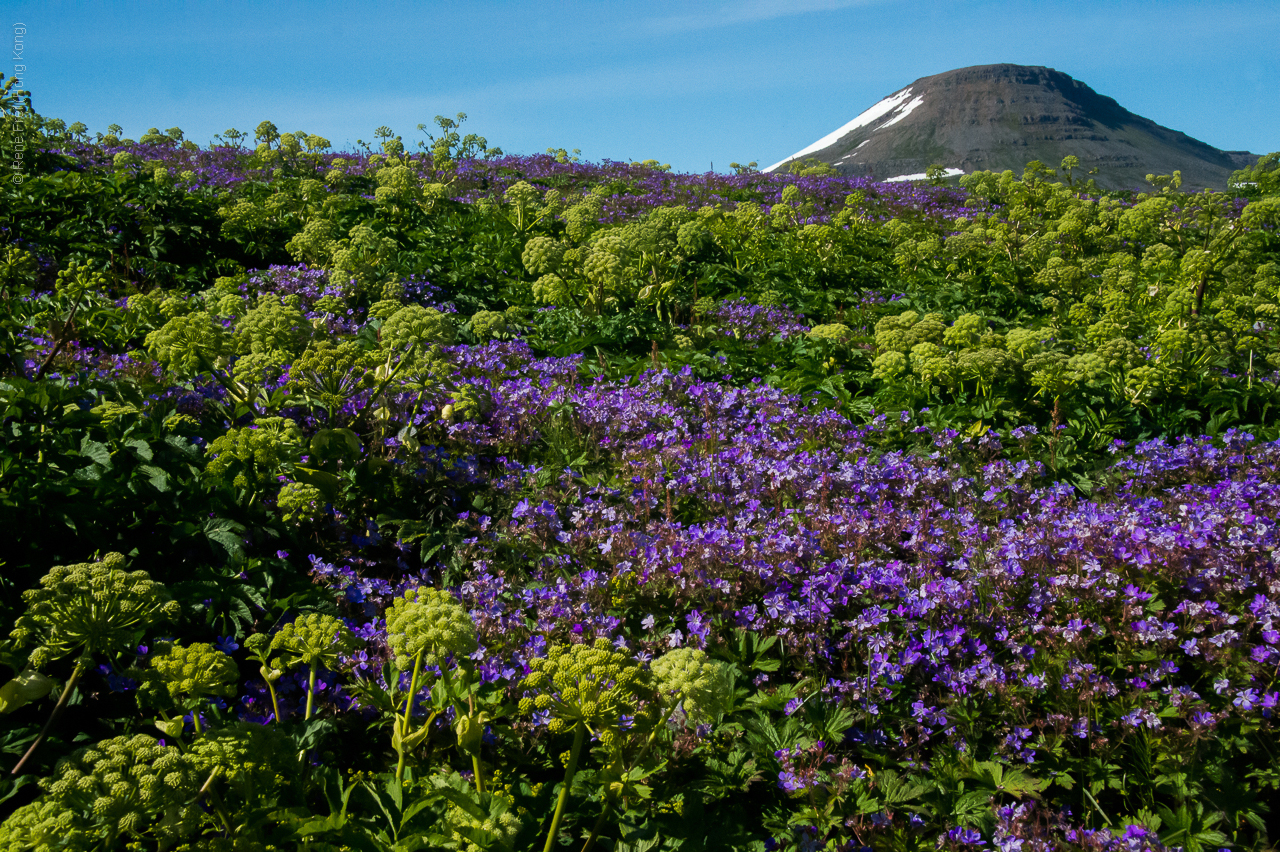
x=140 y=449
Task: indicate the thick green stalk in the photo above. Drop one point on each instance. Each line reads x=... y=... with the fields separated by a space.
x=579 y=734
x=311 y=692
x=475 y=761
x=610 y=798
x=408 y=711
x=57 y=709
x=275 y=703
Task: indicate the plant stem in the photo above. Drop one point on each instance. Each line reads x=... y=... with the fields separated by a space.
x=311 y=692
x=579 y=735
x=57 y=709
x=611 y=797
x=595 y=831
x=275 y=703
x=408 y=710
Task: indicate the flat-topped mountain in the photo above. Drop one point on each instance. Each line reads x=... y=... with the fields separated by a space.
x=1001 y=117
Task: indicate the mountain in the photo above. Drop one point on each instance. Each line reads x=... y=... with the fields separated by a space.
x=1001 y=117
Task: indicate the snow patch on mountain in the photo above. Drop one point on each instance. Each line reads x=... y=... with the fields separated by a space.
x=906 y=111
x=875 y=113
x=922 y=176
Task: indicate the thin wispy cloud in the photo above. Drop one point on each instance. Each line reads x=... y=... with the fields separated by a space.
x=749 y=12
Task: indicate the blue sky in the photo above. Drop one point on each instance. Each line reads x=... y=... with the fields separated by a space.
x=687 y=83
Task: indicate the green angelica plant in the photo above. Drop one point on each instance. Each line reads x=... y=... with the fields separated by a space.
x=314 y=640
x=183 y=677
x=250 y=458
x=426 y=626
x=119 y=790
x=245 y=769
x=587 y=689
x=688 y=680
x=84 y=610
x=259 y=647
x=478 y=822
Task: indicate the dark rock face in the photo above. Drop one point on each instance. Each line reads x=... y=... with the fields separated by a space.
x=1001 y=117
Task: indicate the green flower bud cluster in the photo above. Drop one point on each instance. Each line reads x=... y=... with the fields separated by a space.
x=604 y=264
x=110 y=411
x=932 y=363
x=416 y=324
x=314 y=640
x=248 y=756
x=331 y=374
x=1079 y=314
x=689 y=676
x=315 y=243
x=232 y=305
x=125 y=160
x=888 y=365
x=469 y=401
x=244 y=219
x=1119 y=353
x=1048 y=371
x=984 y=365
x=252 y=456
x=257 y=369
x=893 y=333
x=272 y=326
x=396 y=182
x=833 y=332
x=77 y=281
x=90 y=607
x=593 y=684
x=361 y=257
x=693 y=237
x=1024 y=342
x=522 y=194
x=121 y=788
x=385 y=307
x=542 y=255
x=189 y=343
x=584 y=217
x=487 y=824
x=300 y=503
x=331 y=305
x=488 y=325
x=192 y=672
x=966 y=332
x=1086 y=367
x=429 y=622
x=551 y=289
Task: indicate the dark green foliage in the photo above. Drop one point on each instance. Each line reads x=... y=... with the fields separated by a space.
x=311 y=472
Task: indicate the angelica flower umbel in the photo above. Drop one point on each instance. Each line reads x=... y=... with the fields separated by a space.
x=314 y=640
x=592 y=684
x=429 y=622
x=92 y=608
x=124 y=788
x=86 y=609
x=485 y=821
x=425 y=625
x=188 y=674
x=586 y=688
x=688 y=677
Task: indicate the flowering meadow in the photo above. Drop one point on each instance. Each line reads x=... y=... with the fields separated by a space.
x=444 y=499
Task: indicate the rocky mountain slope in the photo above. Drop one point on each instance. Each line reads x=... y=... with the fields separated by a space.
x=1001 y=117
